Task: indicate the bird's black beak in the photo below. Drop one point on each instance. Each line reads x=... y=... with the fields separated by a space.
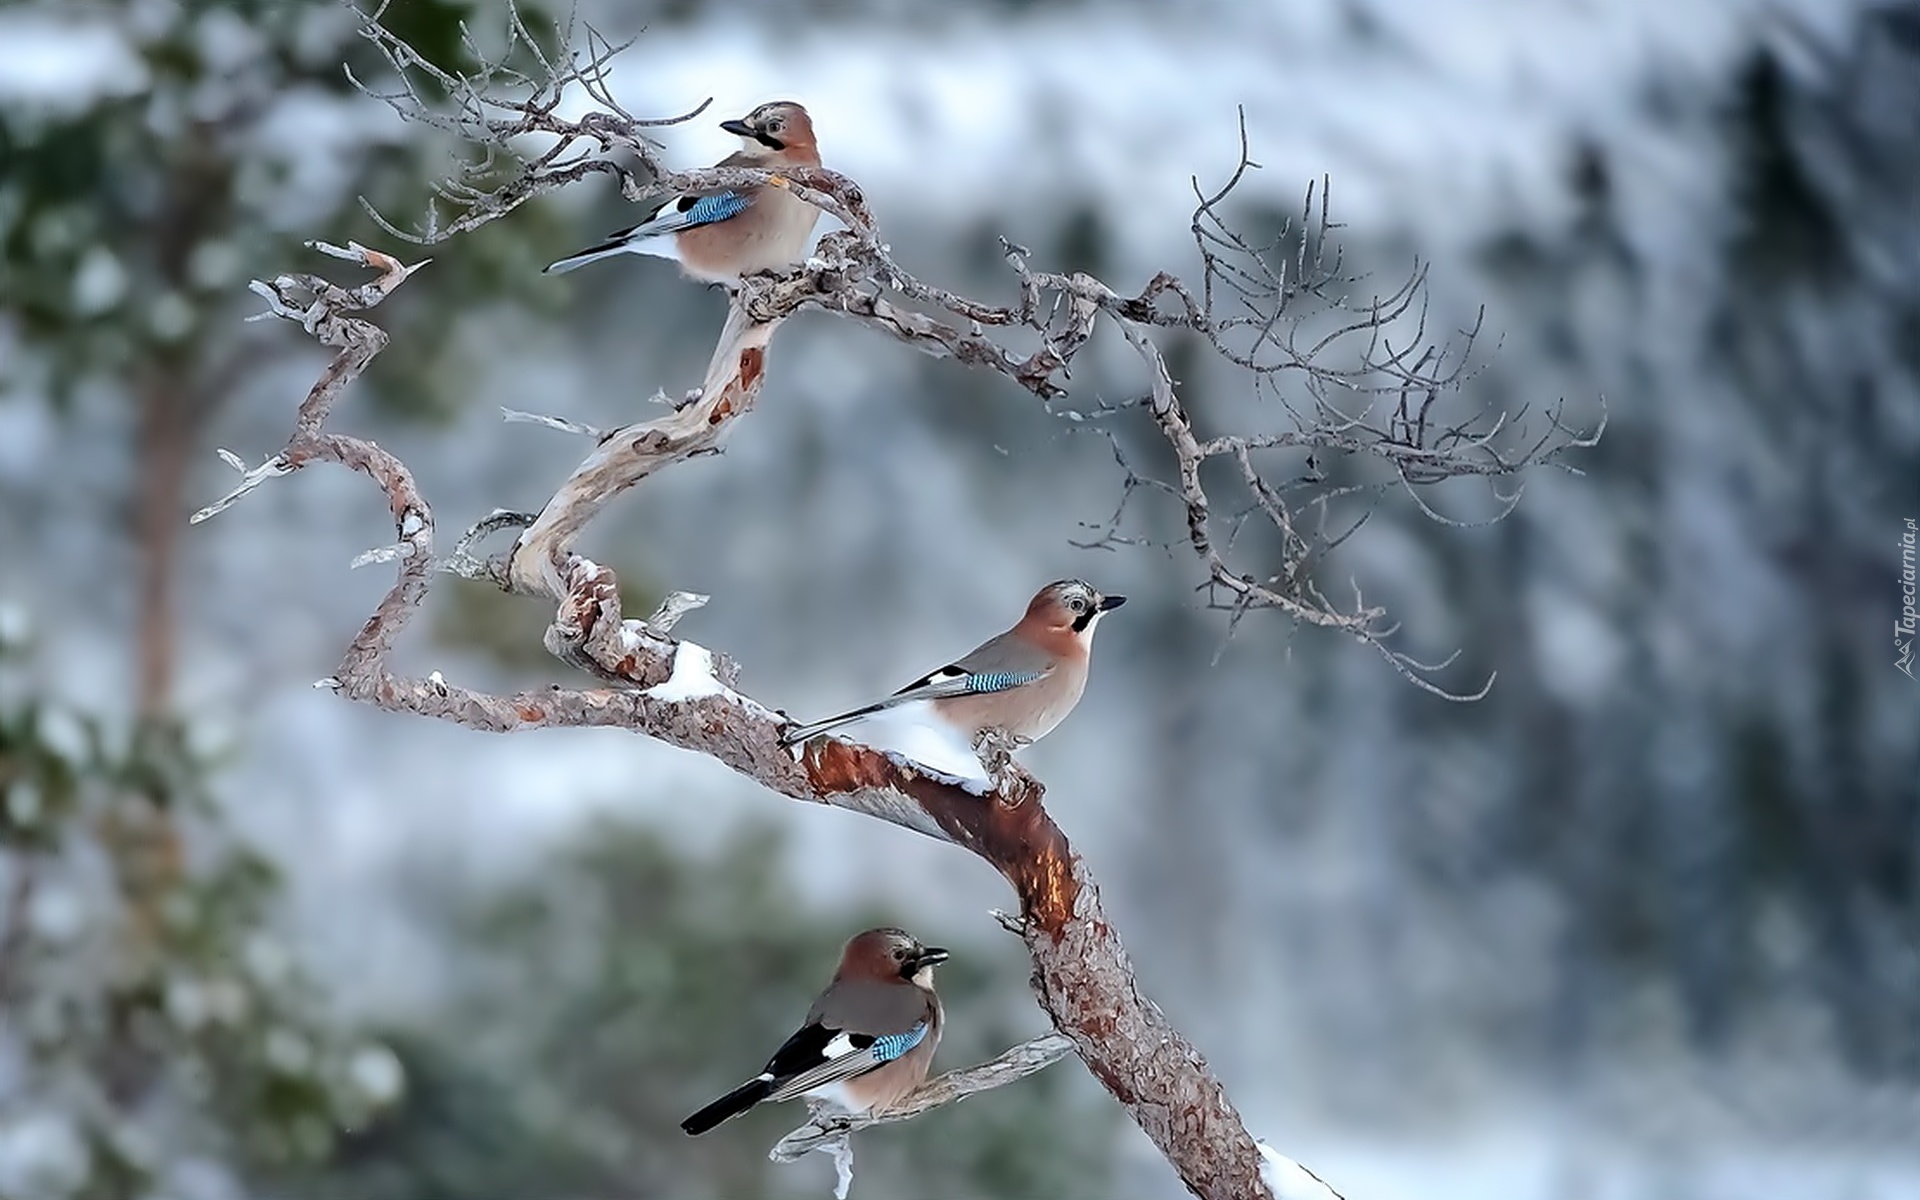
x=742 y=128
x=930 y=956
x=1109 y=603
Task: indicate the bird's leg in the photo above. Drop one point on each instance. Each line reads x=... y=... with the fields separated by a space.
x=995 y=748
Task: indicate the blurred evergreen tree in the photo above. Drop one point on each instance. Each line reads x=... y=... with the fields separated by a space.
x=154 y=1033
x=1730 y=816
x=1816 y=328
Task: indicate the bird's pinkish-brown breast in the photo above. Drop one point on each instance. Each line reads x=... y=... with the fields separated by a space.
x=770 y=235
x=886 y=1086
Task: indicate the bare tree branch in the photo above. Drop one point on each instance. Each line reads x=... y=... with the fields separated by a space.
x=1358 y=375
x=681 y=694
x=831 y=1131
x=628 y=455
x=1370 y=380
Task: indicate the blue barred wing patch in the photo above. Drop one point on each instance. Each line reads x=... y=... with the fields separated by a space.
x=1000 y=681
x=708 y=210
x=893 y=1045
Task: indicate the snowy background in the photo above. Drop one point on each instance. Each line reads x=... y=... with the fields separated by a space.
x=1641 y=925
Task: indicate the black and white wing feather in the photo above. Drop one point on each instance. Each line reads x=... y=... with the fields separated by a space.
x=998 y=665
x=813 y=1057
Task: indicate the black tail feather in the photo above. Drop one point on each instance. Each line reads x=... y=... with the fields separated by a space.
x=735 y=1102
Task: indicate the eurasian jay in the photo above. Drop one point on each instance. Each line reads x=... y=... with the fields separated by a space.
x=867 y=1041
x=718 y=236
x=1021 y=683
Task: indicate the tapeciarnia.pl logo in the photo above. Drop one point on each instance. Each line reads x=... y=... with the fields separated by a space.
x=1903 y=629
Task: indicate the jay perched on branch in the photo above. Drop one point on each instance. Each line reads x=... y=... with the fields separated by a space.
x=1020 y=684
x=867 y=1041
x=718 y=236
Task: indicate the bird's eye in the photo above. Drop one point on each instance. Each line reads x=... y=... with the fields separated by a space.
x=773 y=126
x=1077 y=604
x=898 y=953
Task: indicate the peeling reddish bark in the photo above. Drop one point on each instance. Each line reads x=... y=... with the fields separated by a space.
x=1084 y=980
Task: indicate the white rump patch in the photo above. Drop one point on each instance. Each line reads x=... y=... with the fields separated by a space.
x=656 y=246
x=916 y=735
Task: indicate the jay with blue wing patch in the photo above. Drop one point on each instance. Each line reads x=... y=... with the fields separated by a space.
x=1022 y=683
x=718 y=236
x=867 y=1041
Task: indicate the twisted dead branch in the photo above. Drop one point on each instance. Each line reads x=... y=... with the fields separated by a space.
x=1357 y=374
x=682 y=694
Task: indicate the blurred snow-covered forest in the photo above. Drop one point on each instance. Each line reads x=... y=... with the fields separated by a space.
x=1641 y=924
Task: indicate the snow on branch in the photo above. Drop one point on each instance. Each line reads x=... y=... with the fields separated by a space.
x=1289 y=1180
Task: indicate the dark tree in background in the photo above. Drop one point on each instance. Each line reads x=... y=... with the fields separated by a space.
x=1754 y=762
x=160 y=1019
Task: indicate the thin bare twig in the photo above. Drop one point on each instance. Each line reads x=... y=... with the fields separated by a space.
x=831 y=1130
x=1359 y=372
